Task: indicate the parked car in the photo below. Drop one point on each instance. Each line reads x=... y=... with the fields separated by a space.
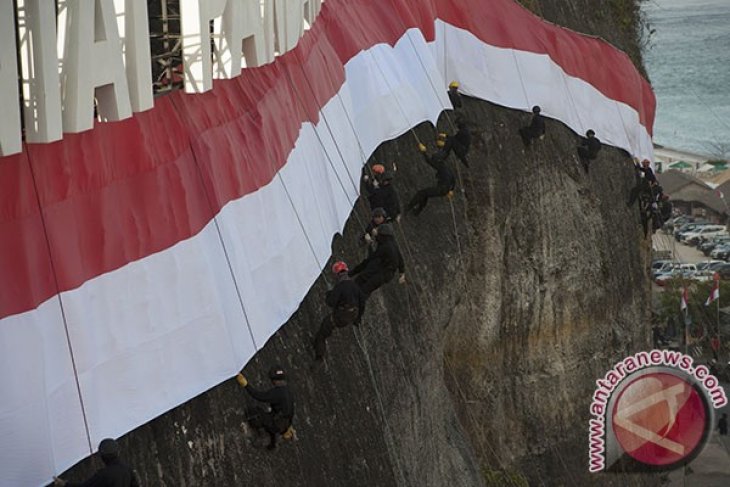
x=724 y=270
x=665 y=268
x=677 y=222
x=715 y=266
x=658 y=264
x=683 y=271
x=721 y=251
x=693 y=237
x=705 y=265
x=707 y=246
x=687 y=227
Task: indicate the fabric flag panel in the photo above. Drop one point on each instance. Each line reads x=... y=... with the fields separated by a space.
x=715 y=292
x=175 y=243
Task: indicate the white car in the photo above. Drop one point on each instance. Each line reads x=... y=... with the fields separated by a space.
x=683 y=271
x=703 y=232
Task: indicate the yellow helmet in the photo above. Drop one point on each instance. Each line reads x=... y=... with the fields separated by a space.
x=454 y=85
x=440 y=142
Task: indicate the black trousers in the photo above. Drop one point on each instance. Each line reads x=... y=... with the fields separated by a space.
x=370 y=280
x=420 y=199
x=461 y=154
x=528 y=135
x=259 y=418
x=339 y=318
x=641 y=187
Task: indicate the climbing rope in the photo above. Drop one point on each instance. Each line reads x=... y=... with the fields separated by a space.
x=329 y=159
x=60 y=303
x=519 y=75
x=213 y=212
x=388 y=429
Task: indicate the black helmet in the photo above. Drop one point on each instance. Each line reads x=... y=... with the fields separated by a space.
x=109 y=448
x=380 y=212
x=276 y=373
x=590 y=133
x=536 y=109
x=386 y=229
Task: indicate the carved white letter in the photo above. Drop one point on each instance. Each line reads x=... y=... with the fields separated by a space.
x=289 y=23
x=92 y=63
x=41 y=84
x=10 y=135
x=195 y=25
x=240 y=29
x=134 y=30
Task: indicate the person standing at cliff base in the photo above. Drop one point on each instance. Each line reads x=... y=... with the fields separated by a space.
x=277 y=420
x=113 y=474
x=348 y=305
x=454 y=95
x=380 y=267
x=588 y=148
x=535 y=130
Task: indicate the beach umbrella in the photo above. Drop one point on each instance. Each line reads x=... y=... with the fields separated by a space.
x=680 y=165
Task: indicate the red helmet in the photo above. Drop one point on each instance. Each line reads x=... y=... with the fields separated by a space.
x=338 y=267
x=378 y=169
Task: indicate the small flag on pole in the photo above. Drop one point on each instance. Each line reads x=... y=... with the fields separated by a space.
x=683 y=302
x=719 y=193
x=715 y=293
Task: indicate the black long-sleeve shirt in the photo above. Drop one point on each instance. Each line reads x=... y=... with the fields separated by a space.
x=279 y=398
x=648 y=173
x=455 y=98
x=385 y=196
x=114 y=474
x=346 y=293
x=444 y=175
x=665 y=209
x=592 y=145
x=386 y=257
x=460 y=142
x=537 y=125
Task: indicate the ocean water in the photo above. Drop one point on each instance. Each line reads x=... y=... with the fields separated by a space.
x=688 y=60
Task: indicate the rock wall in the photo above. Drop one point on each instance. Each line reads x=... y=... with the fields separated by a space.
x=521 y=291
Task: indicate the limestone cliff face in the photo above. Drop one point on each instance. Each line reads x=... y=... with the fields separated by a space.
x=479 y=371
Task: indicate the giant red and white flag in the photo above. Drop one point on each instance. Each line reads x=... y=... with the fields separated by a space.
x=177 y=242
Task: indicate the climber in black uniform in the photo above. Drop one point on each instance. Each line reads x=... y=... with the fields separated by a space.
x=454 y=95
x=114 y=474
x=348 y=305
x=379 y=216
x=535 y=130
x=459 y=143
x=588 y=148
x=381 y=193
x=380 y=267
x=445 y=180
x=278 y=419
x=645 y=181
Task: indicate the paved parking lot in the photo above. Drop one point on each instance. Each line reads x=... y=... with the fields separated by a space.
x=682 y=253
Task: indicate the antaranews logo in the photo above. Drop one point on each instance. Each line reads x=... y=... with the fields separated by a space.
x=652 y=411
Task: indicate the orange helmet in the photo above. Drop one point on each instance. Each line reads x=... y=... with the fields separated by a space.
x=378 y=169
x=338 y=267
